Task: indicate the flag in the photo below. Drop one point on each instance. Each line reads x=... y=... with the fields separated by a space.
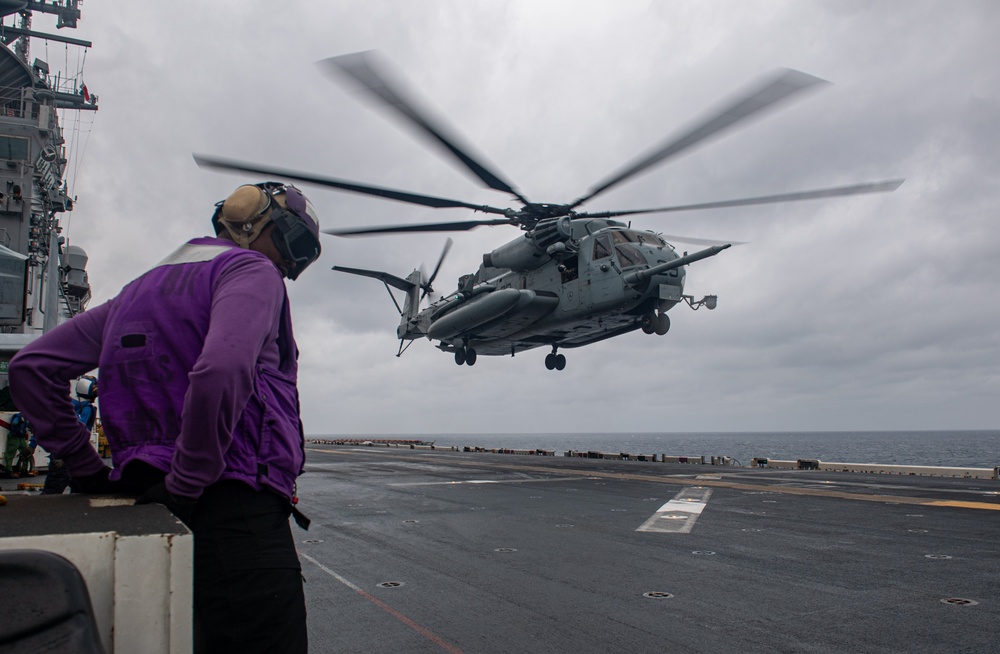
x=86 y=94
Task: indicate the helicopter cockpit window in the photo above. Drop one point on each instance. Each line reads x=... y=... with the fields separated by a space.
x=629 y=256
x=620 y=236
x=634 y=236
x=602 y=248
x=649 y=238
x=569 y=269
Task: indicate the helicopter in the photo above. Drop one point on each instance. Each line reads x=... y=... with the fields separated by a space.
x=572 y=278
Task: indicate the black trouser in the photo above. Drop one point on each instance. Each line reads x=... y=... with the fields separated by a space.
x=248 y=593
x=57 y=478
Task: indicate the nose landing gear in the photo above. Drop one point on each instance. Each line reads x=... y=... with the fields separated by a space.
x=655 y=323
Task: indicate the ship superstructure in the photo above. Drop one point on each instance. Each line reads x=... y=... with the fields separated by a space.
x=43 y=278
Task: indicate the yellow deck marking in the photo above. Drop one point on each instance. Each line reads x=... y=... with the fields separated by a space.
x=967 y=505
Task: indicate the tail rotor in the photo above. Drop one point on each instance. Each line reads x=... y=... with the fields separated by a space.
x=426 y=282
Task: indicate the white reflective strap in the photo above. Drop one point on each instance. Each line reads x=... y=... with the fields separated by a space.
x=189 y=253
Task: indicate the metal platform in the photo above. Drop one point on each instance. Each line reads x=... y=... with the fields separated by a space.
x=136 y=562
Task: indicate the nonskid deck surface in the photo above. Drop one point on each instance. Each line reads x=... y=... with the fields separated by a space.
x=418 y=551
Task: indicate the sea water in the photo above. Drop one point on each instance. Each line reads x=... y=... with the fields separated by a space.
x=973 y=449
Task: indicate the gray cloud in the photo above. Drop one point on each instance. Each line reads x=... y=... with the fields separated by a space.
x=874 y=312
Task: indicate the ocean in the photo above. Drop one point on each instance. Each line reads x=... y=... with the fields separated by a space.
x=972 y=449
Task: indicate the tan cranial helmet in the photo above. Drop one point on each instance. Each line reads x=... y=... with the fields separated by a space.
x=250 y=208
x=243 y=214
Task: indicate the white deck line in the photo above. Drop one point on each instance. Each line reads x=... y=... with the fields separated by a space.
x=486 y=481
x=679 y=514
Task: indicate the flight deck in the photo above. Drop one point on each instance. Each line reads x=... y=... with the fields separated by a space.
x=426 y=551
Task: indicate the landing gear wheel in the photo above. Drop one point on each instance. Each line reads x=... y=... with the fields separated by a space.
x=648 y=323
x=662 y=325
x=460 y=356
x=470 y=357
x=555 y=361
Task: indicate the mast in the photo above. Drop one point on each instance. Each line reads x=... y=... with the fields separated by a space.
x=43 y=278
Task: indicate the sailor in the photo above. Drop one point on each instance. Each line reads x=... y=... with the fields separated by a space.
x=199 y=404
x=83 y=405
x=17 y=447
x=28 y=456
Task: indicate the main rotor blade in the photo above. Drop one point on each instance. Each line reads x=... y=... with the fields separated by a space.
x=344 y=185
x=785 y=84
x=461 y=226
x=373 y=76
x=856 y=189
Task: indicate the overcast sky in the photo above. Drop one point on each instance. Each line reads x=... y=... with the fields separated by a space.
x=864 y=313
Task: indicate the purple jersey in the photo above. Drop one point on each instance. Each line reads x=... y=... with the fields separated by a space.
x=198 y=374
